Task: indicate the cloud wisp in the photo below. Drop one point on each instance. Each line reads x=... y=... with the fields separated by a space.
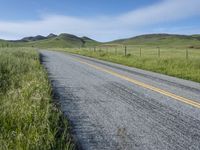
x=106 y=27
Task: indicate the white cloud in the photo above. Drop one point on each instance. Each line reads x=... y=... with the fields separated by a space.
x=105 y=28
x=165 y=11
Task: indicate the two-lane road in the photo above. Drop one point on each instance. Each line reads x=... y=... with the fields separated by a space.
x=116 y=107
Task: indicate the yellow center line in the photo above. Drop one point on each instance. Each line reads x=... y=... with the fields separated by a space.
x=147 y=86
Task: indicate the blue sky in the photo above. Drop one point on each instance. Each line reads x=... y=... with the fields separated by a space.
x=102 y=20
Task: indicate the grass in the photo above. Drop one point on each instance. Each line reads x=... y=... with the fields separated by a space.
x=171 y=62
x=28 y=119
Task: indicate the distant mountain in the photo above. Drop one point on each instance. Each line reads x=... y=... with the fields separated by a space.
x=35 y=38
x=51 y=35
x=52 y=40
x=87 y=38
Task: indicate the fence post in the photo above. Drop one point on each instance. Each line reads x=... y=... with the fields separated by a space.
x=125 y=50
x=140 y=52
x=158 y=51
x=186 y=53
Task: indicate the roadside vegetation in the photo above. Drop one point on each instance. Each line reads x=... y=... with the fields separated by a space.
x=28 y=119
x=177 y=62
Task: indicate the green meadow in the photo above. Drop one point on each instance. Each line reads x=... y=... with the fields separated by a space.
x=29 y=119
x=178 y=62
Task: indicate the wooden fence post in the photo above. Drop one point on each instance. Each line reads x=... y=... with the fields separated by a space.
x=125 y=50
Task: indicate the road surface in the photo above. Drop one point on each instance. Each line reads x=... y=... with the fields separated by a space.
x=114 y=107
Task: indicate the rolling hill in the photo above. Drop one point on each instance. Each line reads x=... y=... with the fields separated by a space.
x=71 y=41
x=161 y=40
x=53 y=41
x=36 y=38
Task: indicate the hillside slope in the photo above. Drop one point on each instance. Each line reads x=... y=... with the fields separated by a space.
x=53 y=41
x=71 y=41
x=161 y=40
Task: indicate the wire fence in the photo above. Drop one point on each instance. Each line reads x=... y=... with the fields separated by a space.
x=144 y=51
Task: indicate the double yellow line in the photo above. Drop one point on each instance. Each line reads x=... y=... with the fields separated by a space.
x=155 y=89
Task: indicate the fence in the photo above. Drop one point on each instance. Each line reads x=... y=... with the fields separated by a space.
x=150 y=51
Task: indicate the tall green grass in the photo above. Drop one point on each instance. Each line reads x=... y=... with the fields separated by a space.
x=28 y=117
x=169 y=63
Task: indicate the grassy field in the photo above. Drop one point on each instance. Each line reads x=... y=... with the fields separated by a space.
x=176 y=62
x=163 y=40
x=28 y=119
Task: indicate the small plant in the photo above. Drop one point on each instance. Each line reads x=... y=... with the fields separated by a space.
x=128 y=55
x=102 y=55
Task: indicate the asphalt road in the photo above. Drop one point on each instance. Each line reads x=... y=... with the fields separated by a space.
x=116 y=107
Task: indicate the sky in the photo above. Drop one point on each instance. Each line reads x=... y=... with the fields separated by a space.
x=102 y=20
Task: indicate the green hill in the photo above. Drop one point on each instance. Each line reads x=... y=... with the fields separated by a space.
x=167 y=40
x=36 y=38
x=71 y=41
x=196 y=36
x=53 y=41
